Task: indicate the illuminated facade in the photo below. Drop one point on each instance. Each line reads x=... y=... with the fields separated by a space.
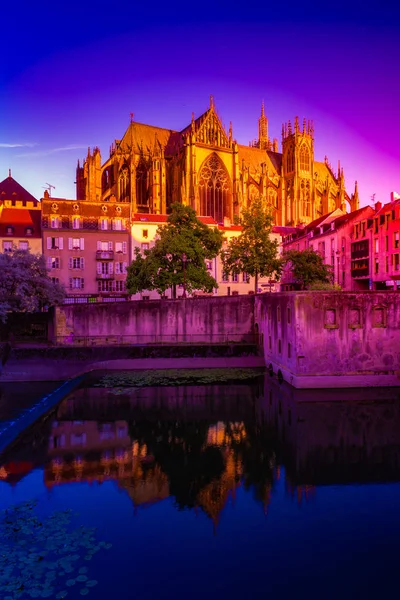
x=204 y=167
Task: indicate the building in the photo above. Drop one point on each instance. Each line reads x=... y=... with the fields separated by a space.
x=143 y=235
x=333 y=237
x=203 y=166
x=20 y=218
x=86 y=245
x=375 y=248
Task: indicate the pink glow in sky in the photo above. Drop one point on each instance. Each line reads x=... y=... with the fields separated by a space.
x=343 y=76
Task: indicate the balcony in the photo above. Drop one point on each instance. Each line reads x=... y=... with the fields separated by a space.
x=105 y=276
x=104 y=255
x=360 y=253
x=358 y=273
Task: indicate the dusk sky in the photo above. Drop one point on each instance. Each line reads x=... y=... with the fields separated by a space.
x=70 y=80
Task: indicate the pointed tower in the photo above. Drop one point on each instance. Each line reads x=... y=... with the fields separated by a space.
x=355 y=199
x=263 y=140
x=298 y=172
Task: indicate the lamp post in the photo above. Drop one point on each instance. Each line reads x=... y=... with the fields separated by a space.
x=184 y=260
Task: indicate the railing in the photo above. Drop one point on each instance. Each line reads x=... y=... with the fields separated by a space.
x=104 y=254
x=104 y=275
x=93 y=299
x=360 y=272
x=156 y=339
x=360 y=253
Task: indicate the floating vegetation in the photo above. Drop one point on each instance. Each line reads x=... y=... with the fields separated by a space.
x=171 y=377
x=40 y=557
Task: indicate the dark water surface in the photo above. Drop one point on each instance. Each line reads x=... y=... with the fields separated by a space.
x=247 y=491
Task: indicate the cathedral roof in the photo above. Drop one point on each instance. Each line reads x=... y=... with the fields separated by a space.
x=146 y=138
x=12 y=190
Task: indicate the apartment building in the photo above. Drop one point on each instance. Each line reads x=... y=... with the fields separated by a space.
x=333 y=237
x=20 y=218
x=375 y=248
x=144 y=232
x=86 y=245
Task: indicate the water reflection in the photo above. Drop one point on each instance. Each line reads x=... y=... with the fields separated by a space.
x=198 y=445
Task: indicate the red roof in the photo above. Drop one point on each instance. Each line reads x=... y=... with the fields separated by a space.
x=20 y=219
x=387 y=207
x=12 y=190
x=147 y=218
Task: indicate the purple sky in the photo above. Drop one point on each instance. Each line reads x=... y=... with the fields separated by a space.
x=71 y=93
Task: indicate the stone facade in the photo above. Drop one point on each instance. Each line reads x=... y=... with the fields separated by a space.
x=203 y=166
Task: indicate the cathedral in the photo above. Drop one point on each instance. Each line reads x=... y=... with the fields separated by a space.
x=204 y=167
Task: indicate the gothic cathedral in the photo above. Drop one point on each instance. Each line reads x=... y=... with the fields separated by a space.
x=203 y=166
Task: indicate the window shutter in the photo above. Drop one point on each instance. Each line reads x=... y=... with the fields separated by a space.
x=83 y=243
x=124 y=267
x=82 y=283
x=124 y=247
x=69 y=243
x=70 y=283
x=110 y=246
x=49 y=261
x=82 y=263
x=111 y=268
x=70 y=263
x=60 y=243
x=98 y=245
x=117 y=272
x=99 y=268
x=81 y=223
x=48 y=243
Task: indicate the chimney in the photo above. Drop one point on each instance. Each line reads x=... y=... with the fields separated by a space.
x=394 y=196
x=378 y=206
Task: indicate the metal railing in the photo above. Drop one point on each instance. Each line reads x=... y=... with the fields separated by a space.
x=156 y=339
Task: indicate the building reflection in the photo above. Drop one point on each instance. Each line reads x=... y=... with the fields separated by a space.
x=199 y=447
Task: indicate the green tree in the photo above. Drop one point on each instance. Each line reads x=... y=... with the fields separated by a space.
x=253 y=251
x=308 y=268
x=25 y=285
x=177 y=257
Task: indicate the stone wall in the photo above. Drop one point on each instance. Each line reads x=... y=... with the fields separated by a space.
x=191 y=320
x=325 y=339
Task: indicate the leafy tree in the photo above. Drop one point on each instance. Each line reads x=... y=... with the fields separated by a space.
x=253 y=251
x=308 y=268
x=178 y=256
x=25 y=285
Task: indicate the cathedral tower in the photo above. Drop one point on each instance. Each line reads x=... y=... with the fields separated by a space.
x=263 y=140
x=298 y=161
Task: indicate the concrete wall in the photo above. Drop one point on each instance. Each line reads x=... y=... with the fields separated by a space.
x=325 y=339
x=192 y=320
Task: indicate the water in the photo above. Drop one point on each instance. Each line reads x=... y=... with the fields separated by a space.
x=222 y=491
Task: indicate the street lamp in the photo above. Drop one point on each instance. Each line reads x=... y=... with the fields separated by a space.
x=184 y=261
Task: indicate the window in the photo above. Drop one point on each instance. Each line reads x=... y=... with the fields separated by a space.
x=396 y=261
x=76 y=283
x=304 y=159
x=225 y=277
x=119 y=286
x=209 y=265
x=235 y=277
x=246 y=278
x=55 y=243
x=105 y=286
x=120 y=247
x=24 y=245
x=363 y=224
x=53 y=262
x=28 y=231
x=120 y=268
x=145 y=246
x=289 y=315
x=54 y=222
x=76 y=243
x=7 y=246
x=376 y=245
x=55 y=280
x=76 y=262
x=343 y=278
x=76 y=223
x=104 y=224
x=290 y=161
x=104 y=246
x=386 y=243
x=377 y=265
x=145 y=233
x=289 y=350
x=117 y=224
x=396 y=239
x=376 y=226
x=387 y=264
x=9 y=230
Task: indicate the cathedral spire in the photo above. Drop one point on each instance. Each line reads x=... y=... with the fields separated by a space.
x=263 y=140
x=212 y=101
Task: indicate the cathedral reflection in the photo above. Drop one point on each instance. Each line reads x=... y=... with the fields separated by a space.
x=198 y=445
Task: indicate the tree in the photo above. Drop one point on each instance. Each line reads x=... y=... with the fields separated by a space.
x=25 y=285
x=178 y=256
x=308 y=268
x=253 y=251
